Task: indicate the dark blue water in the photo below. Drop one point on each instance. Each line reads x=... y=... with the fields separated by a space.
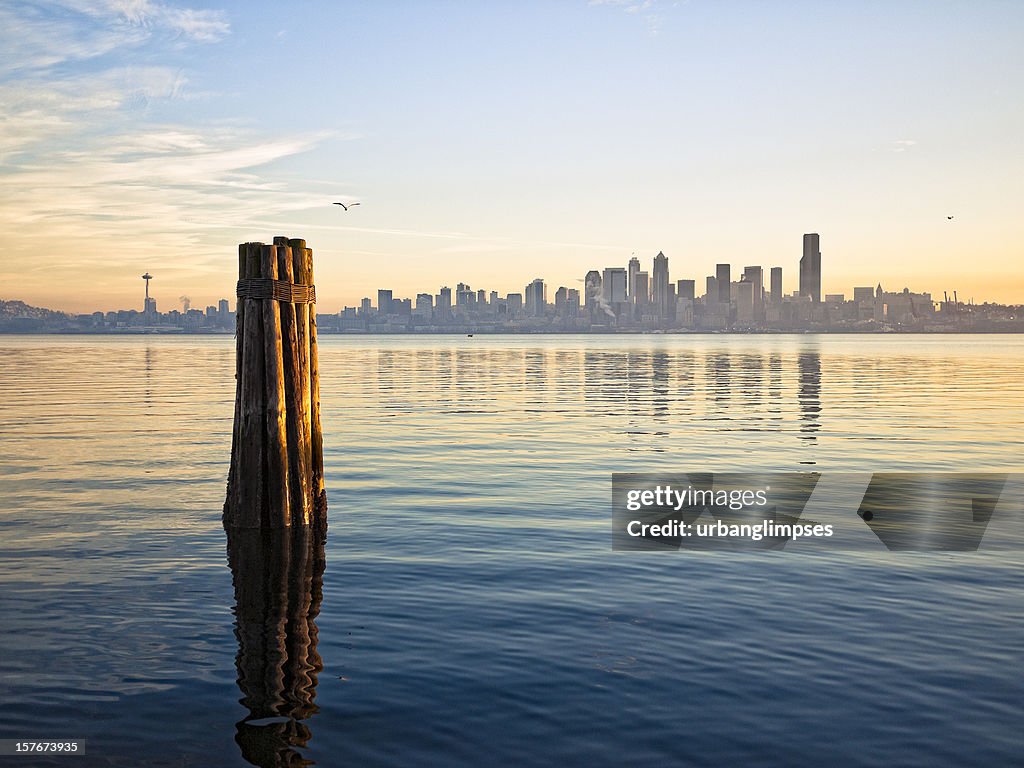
x=466 y=608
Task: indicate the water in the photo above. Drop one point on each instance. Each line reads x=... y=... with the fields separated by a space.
x=471 y=610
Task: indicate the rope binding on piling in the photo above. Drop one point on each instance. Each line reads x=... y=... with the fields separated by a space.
x=281 y=290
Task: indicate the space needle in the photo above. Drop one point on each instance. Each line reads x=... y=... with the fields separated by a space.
x=147 y=277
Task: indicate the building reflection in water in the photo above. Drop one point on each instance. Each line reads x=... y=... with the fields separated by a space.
x=809 y=392
x=278 y=581
x=149 y=376
x=718 y=373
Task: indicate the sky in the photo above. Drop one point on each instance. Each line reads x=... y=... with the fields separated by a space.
x=495 y=142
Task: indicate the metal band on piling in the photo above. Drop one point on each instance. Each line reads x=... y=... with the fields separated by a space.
x=265 y=288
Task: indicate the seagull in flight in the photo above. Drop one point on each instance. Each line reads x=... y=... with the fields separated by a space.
x=948 y=217
x=346 y=207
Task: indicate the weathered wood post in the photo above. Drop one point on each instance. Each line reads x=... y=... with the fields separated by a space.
x=276 y=476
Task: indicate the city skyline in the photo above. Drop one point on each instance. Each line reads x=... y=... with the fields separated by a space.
x=490 y=141
x=656 y=282
x=612 y=299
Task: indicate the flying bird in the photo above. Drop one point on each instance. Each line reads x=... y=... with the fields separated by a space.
x=948 y=217
x=346 y=207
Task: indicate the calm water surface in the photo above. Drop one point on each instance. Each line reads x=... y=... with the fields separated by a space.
x=467 y=609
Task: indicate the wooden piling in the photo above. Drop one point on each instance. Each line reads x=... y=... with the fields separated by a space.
x=298 y=438
x=306 y=322
x=276 y=475
x=250 y=494
x=239 y=336
x=316 y=433
x=278 y=515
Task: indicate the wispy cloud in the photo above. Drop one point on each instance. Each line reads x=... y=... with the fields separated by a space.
x=162 y=187
x=902 y=145
x=84 y=165
x=40 y=35
x=201 y=25
x=649 y=10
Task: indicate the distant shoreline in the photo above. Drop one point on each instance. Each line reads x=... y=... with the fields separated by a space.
x=630 y=332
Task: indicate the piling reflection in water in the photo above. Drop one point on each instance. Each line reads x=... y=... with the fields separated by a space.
x=278 y=581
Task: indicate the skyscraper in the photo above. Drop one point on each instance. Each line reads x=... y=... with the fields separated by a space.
x=776 y=285
x=634 y=270
x=711 y=290
x=745 y=302
x=465 y=297
x=424 y=305
x=659 y=285
x=536 y=298
x=572 y=302
x=685 y=289
x=724 y=279
x=567 y=302
x=384 y=301
x=641 y=284
x=614 y=285
x=810 y=268
x=444 y=303
x=755 y=276
x=561 y=297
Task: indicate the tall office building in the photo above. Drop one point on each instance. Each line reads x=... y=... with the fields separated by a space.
x=745 y=302
x=776 y=285
x=536 y=298
x=465 y=297
x=755 y=276
x=613 y=285
x=685 y=289
x=443 y=303
x=633 y=270
x=424 y=304
x=642 y=285
x=384 y=301
x=567 y=302
x=724 y=279
x=659 y=285
x=572 y=302
x=561 y=297
x=810 y=268
x=711 y=290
